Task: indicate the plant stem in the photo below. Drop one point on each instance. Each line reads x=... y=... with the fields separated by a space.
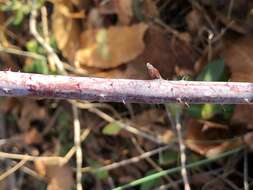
x=156 y=91
x=177 y=169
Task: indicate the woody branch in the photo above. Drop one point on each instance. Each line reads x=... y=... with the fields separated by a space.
x=157 y=91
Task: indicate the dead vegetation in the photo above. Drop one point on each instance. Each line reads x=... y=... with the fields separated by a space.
x=56 y=144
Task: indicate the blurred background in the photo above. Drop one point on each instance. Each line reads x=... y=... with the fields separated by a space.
x=63 y=144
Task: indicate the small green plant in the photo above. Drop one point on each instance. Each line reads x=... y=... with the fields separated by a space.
x=152 y=183
x=214 y=71
x=19 y=10
x=100 y=174
x=111 y=129
x=38 y=65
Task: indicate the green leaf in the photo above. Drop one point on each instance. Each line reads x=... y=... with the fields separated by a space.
x=228 y=111
x=37 y=66
x=101 y=174
x=195 y=110
x=53 y=42
x=193 y=158
x=32 y=46
x=210 y=110
x=102 y=44
x=19 y=17
x=111 y=129
x=213 y=71
x=64 y=119
x=168 y=157
x=151 y=183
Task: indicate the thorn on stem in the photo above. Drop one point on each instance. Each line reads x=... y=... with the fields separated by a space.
x=153 y=72
x=182 y=102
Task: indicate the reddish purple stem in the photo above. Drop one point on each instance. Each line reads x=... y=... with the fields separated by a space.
x=156 y=91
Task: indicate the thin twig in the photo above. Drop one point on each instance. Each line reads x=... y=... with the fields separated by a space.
x=230 y=9
x=43 y=43
x=79 y=154
x=126 y=127
x=182 y=155
x=12 y=170
x=48 y=159
x=176 y=169
x=153 y=164
x=178 y=182
x=175 y=121
x=72 y=151
x=156 y=91
x=127 y=161
x=21 y=53
x=94 y=109
x=245 y=170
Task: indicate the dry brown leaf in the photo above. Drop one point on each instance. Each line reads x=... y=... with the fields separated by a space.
x=248 y=139
x=243 y=114
x=58 y=177
x=32 y=137
x=150 y=8
x=8 y=104
x=152 y=121
x=211 y=141
x=107 y=8
x=4 y=185
x=223 y=147
x=8 y=63
x=66 y=30
x=30 y=111
x=124 y=11
x=162 y=52
x=194 y=21
x=109 y=48
x=238 y=56
x=148 y=117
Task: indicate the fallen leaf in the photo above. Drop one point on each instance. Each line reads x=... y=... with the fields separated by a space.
x=58 y=177
x=209 y=141
x=167 y=54
x=243 y=114
x=27 y=113
x=194 y=21
x=95 y=19
x=153 y=121
x=109 y=48
x=124 y=11
x=248 y=139
x=66 y=30
x=150 y=9
x=223 y=147
x=238 y=56
x=32 y=137
x=107 y=8
x=8 y=104
x=164 y=53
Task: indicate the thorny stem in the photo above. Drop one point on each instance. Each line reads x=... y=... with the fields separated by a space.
x=156 y=91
